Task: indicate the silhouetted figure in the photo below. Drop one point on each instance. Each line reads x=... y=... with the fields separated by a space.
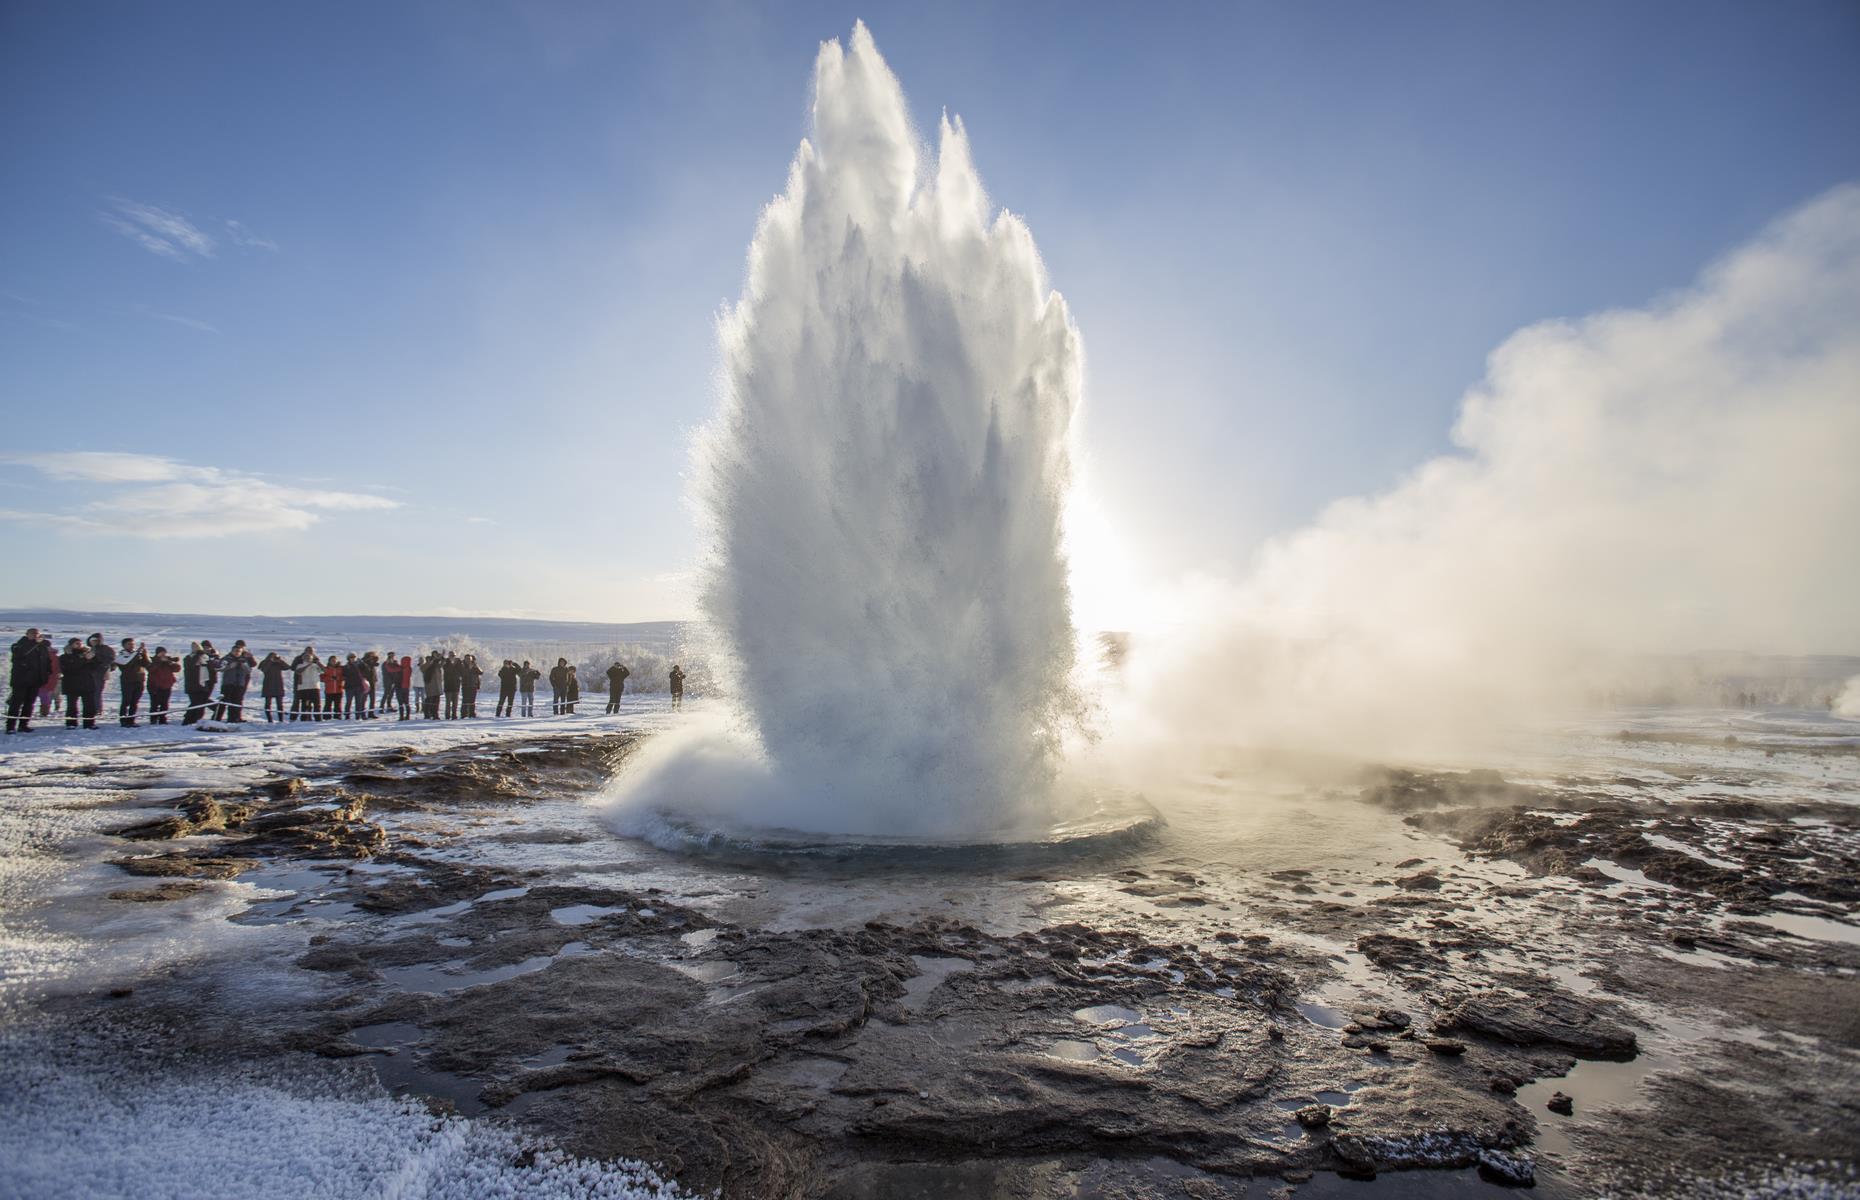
x=306 y=674
x=74 y=678
x=574 y=691
x=452 y=671
x=526 y=685
x=678 y=686
x=236 y=671
x=506 y=689
x=32 y=667
x=433 y=673
x=272 y=671
x=616 y=686
x=471 y=678
x=50 y=690
x=558 y=684
x=164 y=669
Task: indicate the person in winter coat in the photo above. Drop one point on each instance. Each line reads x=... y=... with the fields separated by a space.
x=354 y=688
x=134 y=665
x=306 y=673
x=433 y=673
x=236 y=671
x=102 y=662
x=574 y=691
x=403 y=685
x=332 y=689
x=371 y=672
x=558 y=684
x=272 y=670
x=49 y=691
x=388 y=690
x=507 y=688
x=164 y=669
x=526 y=684
x=471 y=678
x=452 y=674
x=616 y=684
x=198 y=671
x=32 y=667
x=74 y=678
x=678 y=686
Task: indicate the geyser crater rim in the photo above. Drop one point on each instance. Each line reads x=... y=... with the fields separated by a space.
x=1115 y=821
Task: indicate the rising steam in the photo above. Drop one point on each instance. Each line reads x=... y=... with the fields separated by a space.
x=1670 y=479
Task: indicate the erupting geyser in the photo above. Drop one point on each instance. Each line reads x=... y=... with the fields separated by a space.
x=885 y=486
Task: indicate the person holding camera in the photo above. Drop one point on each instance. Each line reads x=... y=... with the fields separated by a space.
x=235 y=677
x=134 y=666
x=75 y=678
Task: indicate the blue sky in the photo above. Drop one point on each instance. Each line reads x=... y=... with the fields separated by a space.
x=408 y=307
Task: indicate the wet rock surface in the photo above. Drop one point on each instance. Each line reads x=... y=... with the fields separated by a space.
x=1159 y=1026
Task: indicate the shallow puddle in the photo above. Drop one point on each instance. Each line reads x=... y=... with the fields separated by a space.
x=454 y=975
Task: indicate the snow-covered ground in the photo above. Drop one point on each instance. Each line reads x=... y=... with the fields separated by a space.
x=89 y=1116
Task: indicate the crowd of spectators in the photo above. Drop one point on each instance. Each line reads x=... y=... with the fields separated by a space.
x=441 y=685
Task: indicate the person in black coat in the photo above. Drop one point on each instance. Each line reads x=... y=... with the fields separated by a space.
x=32 y=666
x=452 y=673
x=272 y=671
x=354 y=689
x=134 y=664
x=236 y=671
x=678 y=686
x=102 y=662
x=616 y=685
x=471 y=676
x=507 y=688
x=558 y=683
x=75 y=681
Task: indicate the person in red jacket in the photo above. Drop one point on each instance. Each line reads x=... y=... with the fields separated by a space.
x=332 y=690
x=406 y=686
x=163 y=671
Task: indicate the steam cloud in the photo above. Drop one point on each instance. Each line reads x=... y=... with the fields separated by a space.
x=1669 y=479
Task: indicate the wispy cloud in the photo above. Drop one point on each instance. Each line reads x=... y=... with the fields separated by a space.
x=172 y=235
x=157 y=497
x=239 y=235
x=158 y=231
x=191 y=322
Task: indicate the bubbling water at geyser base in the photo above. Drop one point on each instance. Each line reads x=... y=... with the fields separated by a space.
x=885 y=487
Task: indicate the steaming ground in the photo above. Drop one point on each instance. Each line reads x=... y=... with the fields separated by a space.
x=419 y=957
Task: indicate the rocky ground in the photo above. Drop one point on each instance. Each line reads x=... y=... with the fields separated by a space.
x=1470 y=983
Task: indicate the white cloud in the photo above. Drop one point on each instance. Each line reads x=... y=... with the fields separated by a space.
x=239 y=235
x=172 y=235
x=157 y=497
x=159 y=231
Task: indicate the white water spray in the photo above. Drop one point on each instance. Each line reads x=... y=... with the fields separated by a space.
x=884 y=486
